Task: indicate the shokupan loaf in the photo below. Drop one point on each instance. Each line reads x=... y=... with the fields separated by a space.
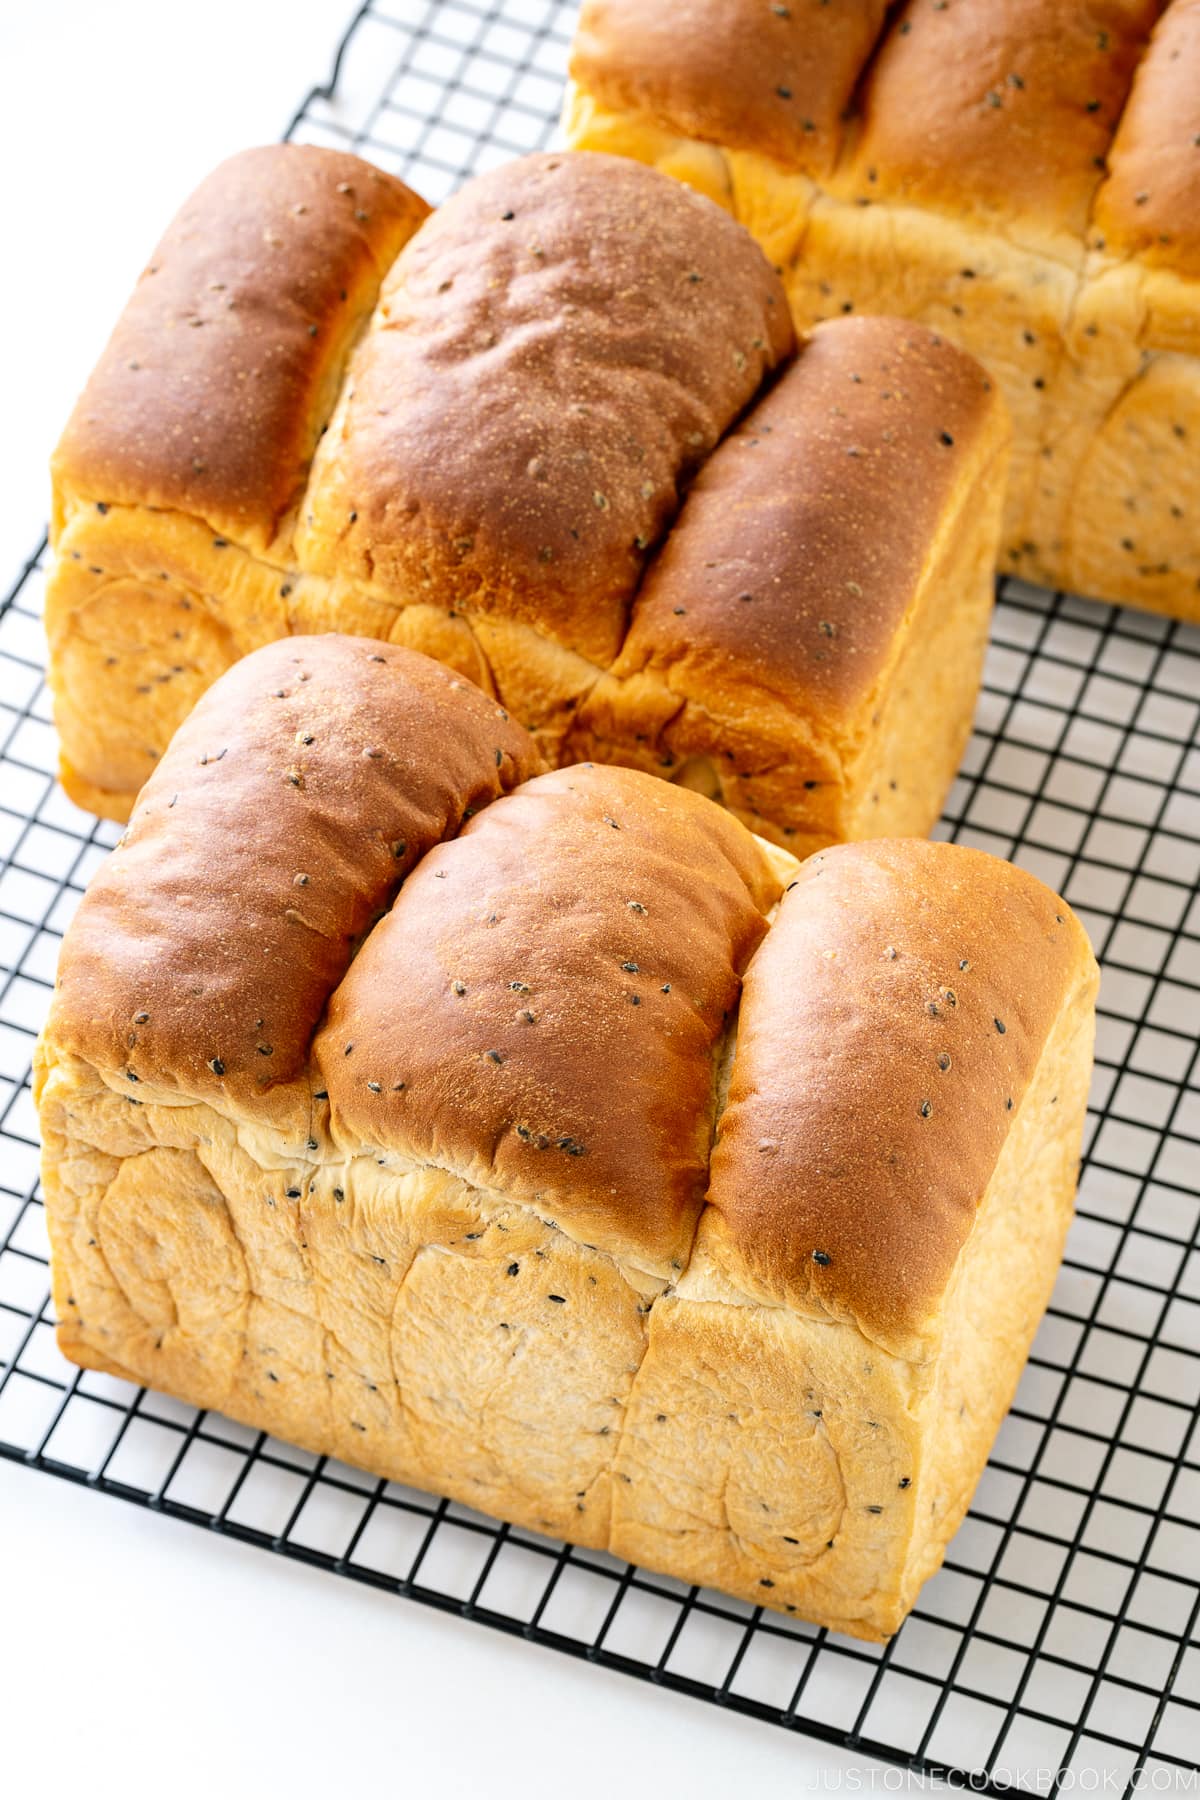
x=564 y=442
x=380 y=1093
x=1022 y=174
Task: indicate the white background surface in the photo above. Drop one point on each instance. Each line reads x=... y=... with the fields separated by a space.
x=138 y=1656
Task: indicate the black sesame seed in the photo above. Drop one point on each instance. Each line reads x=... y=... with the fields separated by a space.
x=874 y=1509
x=292 y=1194
x=513 y=1269
x=631 y=968
x=822 y=1257
x=558 y=1299
x=216 y=1065
x=494 y=1056
x=906 y=1481
x=141 y=1018
x=1001 y=1027
x=926 y=1109
x=766 y=1582
x=946 y=438
x=373 y=1087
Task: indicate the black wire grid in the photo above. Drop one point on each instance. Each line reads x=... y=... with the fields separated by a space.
x=1063 y=1633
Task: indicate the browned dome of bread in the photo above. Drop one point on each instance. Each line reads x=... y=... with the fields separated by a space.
x=912 y=985
x=1150 y=203
x=221 y=370
x=289 y=808
x=776 y=78
x=555 y=353
x=542 y=1007
x=803 y=538
x=1000 y=108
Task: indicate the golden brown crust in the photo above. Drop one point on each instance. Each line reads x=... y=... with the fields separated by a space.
x=222 y=369
x=553 y=358
x=1150 y=203
x=1004 y=110
x=771 y=78
x=534 y=1014
x=468 y=1246
x=913 y=985
x=306 y=784
x=555 y=353
x=802 y=541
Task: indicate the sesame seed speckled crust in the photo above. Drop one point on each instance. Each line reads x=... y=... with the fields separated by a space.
x=915 y=984
x=1150 y=203
x=1021 y=175
x=223 y=367
x=288 y=809
x=534 y=1015
x=555 y=354
x=555 y=357
x=776 y=78
x=480 y=1243
x=802 y=541
x=1001 y=110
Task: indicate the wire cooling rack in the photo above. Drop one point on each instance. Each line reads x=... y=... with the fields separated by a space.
x=1060 y=1640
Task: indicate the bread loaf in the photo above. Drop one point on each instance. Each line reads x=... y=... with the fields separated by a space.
x=506 y=444
x=380 y=1093
x=1022 y=174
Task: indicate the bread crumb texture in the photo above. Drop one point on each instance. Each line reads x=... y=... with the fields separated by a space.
x=547 y=1140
